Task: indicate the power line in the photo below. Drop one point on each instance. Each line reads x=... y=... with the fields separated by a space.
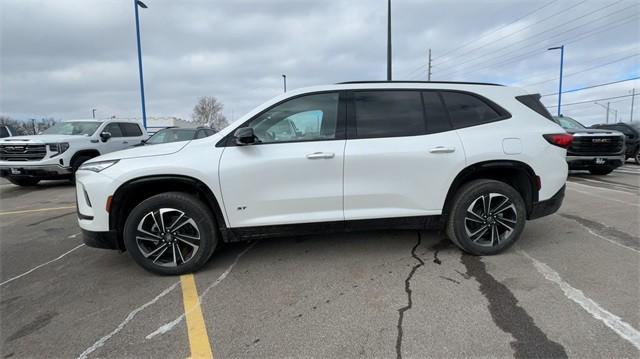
x=589 y=101
x=498 y=29
x=524 y=28
x=585 y=70
x=565 y=41
x=510 y=46
x=594 y=86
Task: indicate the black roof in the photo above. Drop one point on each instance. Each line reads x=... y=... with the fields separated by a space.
x=419 y=82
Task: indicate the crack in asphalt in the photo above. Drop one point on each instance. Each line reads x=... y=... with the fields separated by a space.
x=510 y=317
x=442 y=244
x=407 y=289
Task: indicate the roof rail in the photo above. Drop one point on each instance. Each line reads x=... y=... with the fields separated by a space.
x=419 y=82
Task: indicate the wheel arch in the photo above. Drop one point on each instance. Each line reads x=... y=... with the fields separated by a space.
x=517 y=174
x=136 y=190
x=89 y=152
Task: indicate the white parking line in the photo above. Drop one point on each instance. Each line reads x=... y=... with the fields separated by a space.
x=600 y=188
x=41 y=265
x=602 y=197
x=616 y=185
x=615 y=323
x=126 y=320
x=602 y=237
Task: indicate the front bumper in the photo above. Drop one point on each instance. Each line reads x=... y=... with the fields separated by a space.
x=35 y=171
x=106 y=240
x=547 y=207
x=587 y=162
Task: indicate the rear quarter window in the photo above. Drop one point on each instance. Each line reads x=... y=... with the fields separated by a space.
x=533 y=102
x=466 y=110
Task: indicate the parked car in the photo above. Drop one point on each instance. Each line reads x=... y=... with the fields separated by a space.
x=61 y=149
x=598 y=151
x=631 y=132
x=5 y=131
x=476 y=160
x=175 y=134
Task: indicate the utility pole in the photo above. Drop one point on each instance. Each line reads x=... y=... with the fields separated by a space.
x=429 y=68
x=93 y=112
x=608 y=111
x=633 y=95
x=389 y=40
x=284 y=82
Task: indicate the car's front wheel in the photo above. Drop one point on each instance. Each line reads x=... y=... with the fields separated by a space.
x=171 y=233
x=636 y=157
x=486 y=218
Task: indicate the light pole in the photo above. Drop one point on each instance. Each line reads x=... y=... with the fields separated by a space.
x=389 y=40
x=561 y=48
x=284 y=82
x=93 y=112
x=139 y=3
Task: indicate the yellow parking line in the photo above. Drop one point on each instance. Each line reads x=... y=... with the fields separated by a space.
x=197 y=331
x=35 y=210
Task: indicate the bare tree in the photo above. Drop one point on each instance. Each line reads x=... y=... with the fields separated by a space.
x=208 y=112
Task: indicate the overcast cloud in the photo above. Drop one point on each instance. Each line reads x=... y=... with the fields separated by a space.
x=62 y=58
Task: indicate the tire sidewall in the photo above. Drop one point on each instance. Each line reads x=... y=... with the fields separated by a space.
x=470 y=193
x=193 y=208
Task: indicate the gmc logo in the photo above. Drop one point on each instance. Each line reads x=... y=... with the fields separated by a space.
x=14 y=148
x=600 y=140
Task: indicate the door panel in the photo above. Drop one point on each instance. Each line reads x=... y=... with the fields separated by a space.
x=282 y=183
x=400 y=176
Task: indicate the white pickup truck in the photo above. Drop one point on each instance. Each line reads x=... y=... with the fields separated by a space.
x=61 y=149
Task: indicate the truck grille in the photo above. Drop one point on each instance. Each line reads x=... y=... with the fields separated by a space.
x=22 y=152
x=596 y=145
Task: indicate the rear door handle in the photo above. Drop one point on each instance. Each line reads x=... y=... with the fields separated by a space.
x=319 y=155
x=125 y=142
x=442 y=149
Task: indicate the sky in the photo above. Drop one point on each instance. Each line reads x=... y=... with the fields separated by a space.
x=63 y=58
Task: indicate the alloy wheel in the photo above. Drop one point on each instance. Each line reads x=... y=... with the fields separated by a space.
x=490 y=219
x=168 y=237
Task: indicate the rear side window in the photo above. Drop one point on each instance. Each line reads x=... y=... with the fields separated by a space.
x=437 y=119
x=131 y=130
x=388 y=114
x=533 y=102
x=468 y=110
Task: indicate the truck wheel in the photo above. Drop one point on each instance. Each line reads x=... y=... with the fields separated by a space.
x=486 y=218
x=601 y=171
x=75 y=164
x=23 y=181
x=170 y=234
x=636 y=157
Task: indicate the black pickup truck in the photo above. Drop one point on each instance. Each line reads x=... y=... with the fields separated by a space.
x=596 y=150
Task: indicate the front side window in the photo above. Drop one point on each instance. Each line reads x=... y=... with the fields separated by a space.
x=73 y=128
x=388 y=114
x=467 y=110
x=306 y=118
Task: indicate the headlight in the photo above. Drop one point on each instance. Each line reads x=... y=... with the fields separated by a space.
x=97 y=166
x=58 y=148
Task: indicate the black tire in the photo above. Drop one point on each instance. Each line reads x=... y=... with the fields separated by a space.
x=75 y=164
x=636 y=157
x=172 y=204
x=23 y=181
x=475 y=234
x=601 y=171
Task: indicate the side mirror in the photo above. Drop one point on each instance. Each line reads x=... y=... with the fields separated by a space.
x=104 y=136
x=245 y=136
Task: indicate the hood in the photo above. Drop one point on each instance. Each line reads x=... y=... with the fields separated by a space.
x=143 y=151
x=592 y=131
x=40 y=139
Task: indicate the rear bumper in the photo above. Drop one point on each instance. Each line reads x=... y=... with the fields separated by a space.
x=39 y=171
x=586 y=162
x=105 y=240
x=547 y=207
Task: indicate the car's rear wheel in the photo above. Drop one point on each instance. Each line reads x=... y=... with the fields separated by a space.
x=23 y=181
x=486 y=218
x=601 y=171
x=170 y=233
x=636 y=157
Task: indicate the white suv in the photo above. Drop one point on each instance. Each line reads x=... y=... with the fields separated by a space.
x=61 y=149
x=474 y=159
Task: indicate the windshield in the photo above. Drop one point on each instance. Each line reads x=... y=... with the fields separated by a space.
x=172 y=135
x=73 y=128
x=568 y=123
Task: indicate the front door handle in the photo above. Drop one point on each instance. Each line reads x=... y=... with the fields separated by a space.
x=442 y=149
x=319 y=155
x=125 y=142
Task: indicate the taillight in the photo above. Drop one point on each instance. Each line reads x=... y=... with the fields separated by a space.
x=559 y=139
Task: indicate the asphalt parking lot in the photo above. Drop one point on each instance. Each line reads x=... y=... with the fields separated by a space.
x=569 y=288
